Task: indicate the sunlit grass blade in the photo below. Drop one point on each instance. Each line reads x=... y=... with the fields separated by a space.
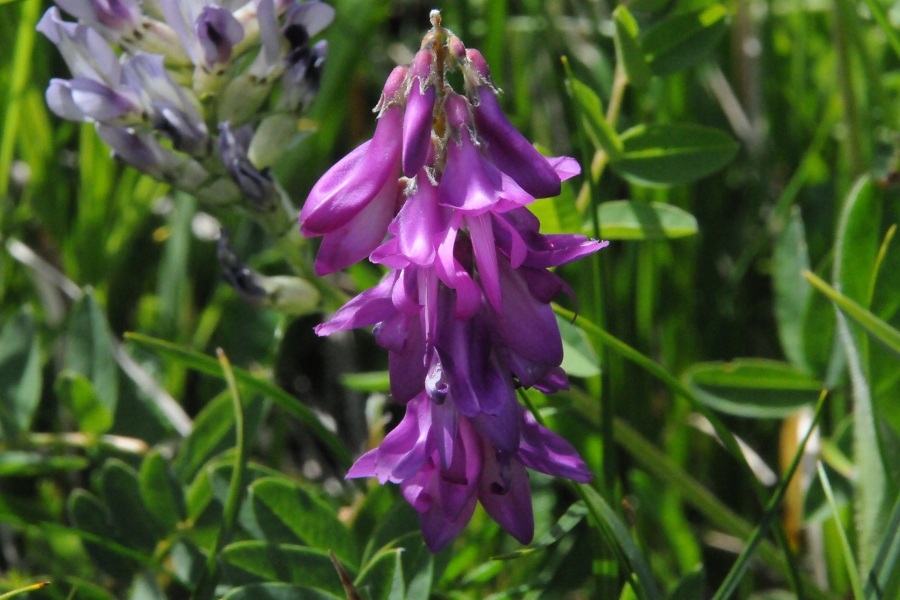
x=729 y=586
x=24 y=590
x=887 y=29
x=884 y=580
x=207 y=584
x=880 y=330
x=564 y=525
x=205 y=364
x=849 y=560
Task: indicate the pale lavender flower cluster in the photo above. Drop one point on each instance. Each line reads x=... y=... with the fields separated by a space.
x=188 y=97
x=439 y=197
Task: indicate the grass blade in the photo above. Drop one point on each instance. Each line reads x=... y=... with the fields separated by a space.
x=208 y=365
x=852 y=570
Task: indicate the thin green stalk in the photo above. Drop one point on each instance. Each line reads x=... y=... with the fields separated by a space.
x=729 y=586
x=852 y=569
x=886 y=27
x=842 y=16
x=24 y=590
x=21 y=69
x=207 y=584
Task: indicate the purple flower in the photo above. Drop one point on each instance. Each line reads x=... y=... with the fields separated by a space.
x=445 y=465
x=439 y=196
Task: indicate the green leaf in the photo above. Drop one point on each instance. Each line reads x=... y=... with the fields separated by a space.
x=309 y=519
x=691 y=587
x=374 y=381
x=628 y=50
x=877 y=328
x=382 y=578
x=617 y=536
x=598 y=129
x=626 y=220
x=89 y=514
x=77 y=393
x=130 y=517
x=684 y=39
x=751 y=387
x=212 y=434
x=884 y=579
x=286 y=563
x=672 y=154
x=210 y=366
x=849 y=560
x=89 y=350
x=572 y=517
x=20 y=374
x=856 y=252
x=579 y=358
x=161 y=491
x=277 y=591
x=21 y=463
x=792 y=290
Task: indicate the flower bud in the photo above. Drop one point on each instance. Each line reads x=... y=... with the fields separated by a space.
x=417 y=122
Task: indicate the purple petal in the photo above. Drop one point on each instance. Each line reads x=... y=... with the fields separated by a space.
x=469 y=183
x=313 y=15
x=86 y=53
x=364 y=466
x=419 y=222
x=510 y=151
x=438 y=530
x=543 y=251
x=351 y=184
x=503 y=429
x=445 y=428
x=505 y=495
x=417 y=122
x=218 y=32
x=554 y=380
x=406 y=293
x=406 y=448
x=59 y=99
x=360 y=235
x=534 y=349
x=368 y=308
x=566 y=167
x=482 y=235
x=406 y=366
x=177 y=14
x=544 y=451
x=118 y=15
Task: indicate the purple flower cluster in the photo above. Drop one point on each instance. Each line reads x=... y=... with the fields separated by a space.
x=439 y=197
x=157 y=102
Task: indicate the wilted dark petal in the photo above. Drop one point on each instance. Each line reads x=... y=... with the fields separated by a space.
x=257 y=186
x=301 y=80
x=360 y=235
x=505 y=495
x=368 y=308
x=245 y=281
x=510 y=151
x=218 y=32
x=544 y=451
x=351 y=184
x=405 y=449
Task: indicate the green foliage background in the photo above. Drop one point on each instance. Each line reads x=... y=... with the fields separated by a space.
x=741 y=156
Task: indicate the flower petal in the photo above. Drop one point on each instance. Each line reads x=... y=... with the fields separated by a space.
x=368 y=308
x=545 y=451
x=506 y=496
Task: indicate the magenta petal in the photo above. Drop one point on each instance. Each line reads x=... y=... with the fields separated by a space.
x=406 y=448
x=515 y=246
x=353 y=182
x=419 y=222
x=511 y=152
x=554 y=380
x=566 y=167
x=544 y=451
x=482 y=234
x=469 y=183
x=468 y=296
x=406 y=293
x=368 y=308
x=438 y=530
x=361 y=235
x=417 y=124
x=364 y=466
x=505 y=495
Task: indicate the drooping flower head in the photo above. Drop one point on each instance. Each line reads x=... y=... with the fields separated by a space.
x=439 y=196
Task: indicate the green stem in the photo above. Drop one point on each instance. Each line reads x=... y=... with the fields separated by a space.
x=207 y=585
x=842 y=17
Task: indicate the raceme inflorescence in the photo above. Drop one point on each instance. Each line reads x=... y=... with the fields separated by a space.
x=439 y=196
